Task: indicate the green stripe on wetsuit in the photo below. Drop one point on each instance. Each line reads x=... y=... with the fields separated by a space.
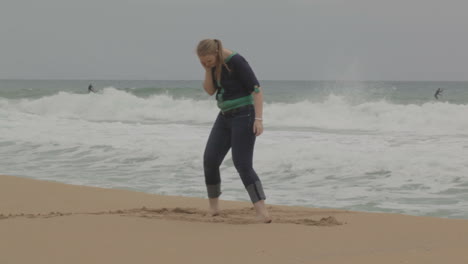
x=232 y=104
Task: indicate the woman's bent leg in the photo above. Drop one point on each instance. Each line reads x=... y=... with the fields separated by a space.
x=216 y=149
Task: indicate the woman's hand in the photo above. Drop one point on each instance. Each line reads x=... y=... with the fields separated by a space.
x=258 y=127
x=208 y=82
x=205 y=67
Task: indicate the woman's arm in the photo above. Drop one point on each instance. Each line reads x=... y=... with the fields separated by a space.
x=258 y=104
x=249 y=81
x=208 y=83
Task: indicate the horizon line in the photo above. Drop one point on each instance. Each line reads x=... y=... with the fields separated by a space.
x=280 y=80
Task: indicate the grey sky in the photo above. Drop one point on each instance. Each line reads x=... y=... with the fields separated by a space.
x=282 y=40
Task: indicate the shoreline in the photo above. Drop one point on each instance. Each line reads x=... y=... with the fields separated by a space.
x=50 y=222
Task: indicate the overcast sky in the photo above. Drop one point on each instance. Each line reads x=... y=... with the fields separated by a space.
x=282 y=40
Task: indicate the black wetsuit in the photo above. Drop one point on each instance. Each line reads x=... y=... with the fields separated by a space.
x=438 y=93
x=233 y=129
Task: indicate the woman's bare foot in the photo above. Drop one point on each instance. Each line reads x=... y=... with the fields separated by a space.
x=214 y=206
x=262 y=212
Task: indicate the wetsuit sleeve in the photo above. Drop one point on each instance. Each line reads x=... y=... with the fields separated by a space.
x=246 y=75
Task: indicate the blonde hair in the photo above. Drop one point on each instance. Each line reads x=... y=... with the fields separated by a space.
x=213 y=47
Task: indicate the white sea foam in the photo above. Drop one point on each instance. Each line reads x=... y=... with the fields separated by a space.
x=333 y=113
x=374 y=156
x=115 y=105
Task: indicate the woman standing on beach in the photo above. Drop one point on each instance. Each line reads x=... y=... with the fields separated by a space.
x=240 y=99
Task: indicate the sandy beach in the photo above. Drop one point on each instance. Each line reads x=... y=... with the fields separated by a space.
x=48 y=222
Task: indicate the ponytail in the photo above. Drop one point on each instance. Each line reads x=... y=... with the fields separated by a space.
x=220 y=59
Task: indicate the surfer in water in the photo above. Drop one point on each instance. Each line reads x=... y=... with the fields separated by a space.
x=240 y=99
x=438 y=93
x=91 y=88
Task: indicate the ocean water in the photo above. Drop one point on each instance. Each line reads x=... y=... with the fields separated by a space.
x=366 y=146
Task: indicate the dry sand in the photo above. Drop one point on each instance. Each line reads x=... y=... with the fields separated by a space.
x=48 y=222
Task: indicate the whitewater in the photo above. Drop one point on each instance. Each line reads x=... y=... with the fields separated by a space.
x=372 y=149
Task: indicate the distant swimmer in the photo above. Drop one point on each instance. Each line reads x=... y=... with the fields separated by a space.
x=438 y=93
x=91 y=89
